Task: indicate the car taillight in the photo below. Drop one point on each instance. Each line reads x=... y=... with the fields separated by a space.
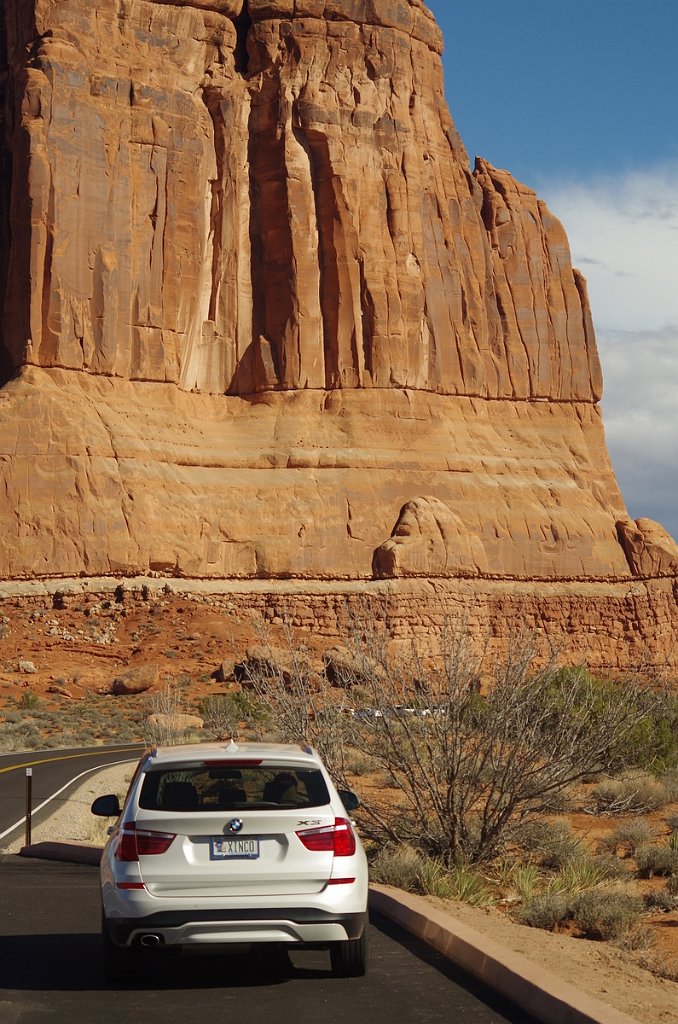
x=135 y=842
x=338 y=839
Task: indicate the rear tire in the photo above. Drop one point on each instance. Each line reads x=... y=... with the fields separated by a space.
x=349 y=957
x=118 y=960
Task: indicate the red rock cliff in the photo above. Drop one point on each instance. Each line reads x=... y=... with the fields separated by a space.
x=238 y=197
x=260 y=317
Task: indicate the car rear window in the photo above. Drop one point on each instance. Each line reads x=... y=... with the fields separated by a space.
x=256 y=787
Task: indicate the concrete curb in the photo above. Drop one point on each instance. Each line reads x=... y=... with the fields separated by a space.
x=70 y=853
x=533 y=989
x=529 y=986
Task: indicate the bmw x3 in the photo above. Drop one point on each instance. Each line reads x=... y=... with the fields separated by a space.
x=219 y=844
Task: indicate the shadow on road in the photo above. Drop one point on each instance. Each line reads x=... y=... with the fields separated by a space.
x=72 y=963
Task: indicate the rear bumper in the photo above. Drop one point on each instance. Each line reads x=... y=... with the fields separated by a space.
x=205 y=927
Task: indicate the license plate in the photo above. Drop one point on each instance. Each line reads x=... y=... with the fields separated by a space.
x=234 y=849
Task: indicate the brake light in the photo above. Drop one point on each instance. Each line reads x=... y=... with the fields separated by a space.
x=338 y=839
x=231 y=763
x=135 y=842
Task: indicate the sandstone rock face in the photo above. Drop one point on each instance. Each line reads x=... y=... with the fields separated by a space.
x=264 y=196
x=260 y=318
x=650 y=550
x=429 y=540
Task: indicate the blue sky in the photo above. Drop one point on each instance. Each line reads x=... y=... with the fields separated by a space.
x=579 y=100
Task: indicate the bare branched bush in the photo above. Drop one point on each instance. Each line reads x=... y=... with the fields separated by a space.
x=471 y=767
x=166 y=722
x=296 y=705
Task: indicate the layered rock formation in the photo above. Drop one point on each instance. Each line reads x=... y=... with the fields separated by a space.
x=261 y=319
x=263 y=196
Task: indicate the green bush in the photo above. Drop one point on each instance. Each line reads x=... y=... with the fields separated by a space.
x=28 y=701
x=652 y=743
x=581 y=873
x=514 y=881
x=468 y=886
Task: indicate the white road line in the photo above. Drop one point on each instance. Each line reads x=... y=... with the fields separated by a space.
x=98 y=767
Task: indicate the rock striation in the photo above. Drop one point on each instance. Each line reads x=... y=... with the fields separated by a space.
x=242 y=197
x=261 y=318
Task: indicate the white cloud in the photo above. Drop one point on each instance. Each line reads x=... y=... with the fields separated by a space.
x=624 y=237
x=640 y=413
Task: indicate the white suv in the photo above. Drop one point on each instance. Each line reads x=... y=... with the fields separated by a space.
x=219 y=844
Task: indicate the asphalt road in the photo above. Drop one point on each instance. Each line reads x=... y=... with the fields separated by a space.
x=50 y=971
x=52 y=770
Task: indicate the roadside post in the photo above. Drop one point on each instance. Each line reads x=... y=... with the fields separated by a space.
x=29 y=805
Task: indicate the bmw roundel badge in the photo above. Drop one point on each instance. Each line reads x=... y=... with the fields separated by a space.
x=234 y=825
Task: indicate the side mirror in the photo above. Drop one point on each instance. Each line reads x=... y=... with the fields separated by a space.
x=351 y=801
x=106 y=806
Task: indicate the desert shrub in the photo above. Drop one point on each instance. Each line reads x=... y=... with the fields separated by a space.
x=544 y=910
x=468 y=885
x=669 y=781
x=475 y=774
x=652 y=741
x=434 y=879
x=581 y=873
x=657 y=860
x=672 y=885
x=221 y=716
x=662 y=899
x=559 y=845
x=658 y=965
x=515 y=882
x=360 y=764
x=610 y=867
x=606 y=914
x=399 y=866
x=626 y=839
x=633 y=794
x=28 y=701
x=672 y=822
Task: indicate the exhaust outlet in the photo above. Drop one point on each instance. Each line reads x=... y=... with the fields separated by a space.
x=150 y=940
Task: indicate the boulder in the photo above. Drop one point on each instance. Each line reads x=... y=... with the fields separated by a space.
x=650 y=549
x=136 y=680
x=429 y=540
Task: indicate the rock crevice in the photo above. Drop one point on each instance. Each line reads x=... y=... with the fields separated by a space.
x=273 y=197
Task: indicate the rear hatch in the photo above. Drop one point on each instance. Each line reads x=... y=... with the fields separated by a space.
x=236 y=829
